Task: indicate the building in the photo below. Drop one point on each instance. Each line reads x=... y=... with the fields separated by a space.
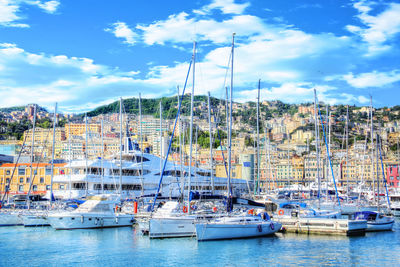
x=40 y=173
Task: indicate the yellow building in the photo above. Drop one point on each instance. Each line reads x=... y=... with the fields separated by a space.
x=80 y=128
x=41 y=175
x=43 y=136
x=236 y=171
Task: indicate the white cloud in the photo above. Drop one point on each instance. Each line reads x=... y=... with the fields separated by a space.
x=372 y=79
x=78 y=84
x=226 y=7
x=48 y=6
x=10 y=9
x=301 y=93
x=380 y=29
x=121 y=30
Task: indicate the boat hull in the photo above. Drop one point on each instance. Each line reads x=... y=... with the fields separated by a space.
x=210 y=231
x=10 y=219
x=35 y=220
x=172 y=227
x=69 y=222
x=382 y=226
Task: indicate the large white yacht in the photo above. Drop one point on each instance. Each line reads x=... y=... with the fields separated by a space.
x=138 y=178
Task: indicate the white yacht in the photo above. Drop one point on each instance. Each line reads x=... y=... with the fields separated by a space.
x=99 y=211
x=236 y=226
x=136 y=180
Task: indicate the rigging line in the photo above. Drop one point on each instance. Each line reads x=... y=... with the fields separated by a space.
x=379 y=139
x=327 y=149
x=173 y=131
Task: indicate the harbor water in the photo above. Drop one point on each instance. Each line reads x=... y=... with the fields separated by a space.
x=44 y=246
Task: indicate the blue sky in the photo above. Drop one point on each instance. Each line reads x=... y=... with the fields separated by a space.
x=85 y=53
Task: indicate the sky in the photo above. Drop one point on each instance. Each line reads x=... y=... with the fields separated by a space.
x=82 y=54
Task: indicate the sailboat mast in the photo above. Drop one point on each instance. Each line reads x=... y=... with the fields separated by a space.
x=102 y=156
x=141 y=142
x=230 y=122
x=32 y=153
x=70 y=159
x=191 y=126
x=52 y=153
x=317 y=148
x=120 y=146
x=180 y=129
x=372 y=149
x=161 y=146
x=211 y=142
x=86 y=156
x=258 y=138
x=347 y=152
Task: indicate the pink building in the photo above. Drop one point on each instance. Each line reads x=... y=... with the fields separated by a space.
x=392 y=176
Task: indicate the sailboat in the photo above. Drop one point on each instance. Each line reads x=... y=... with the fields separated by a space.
x=234 y=225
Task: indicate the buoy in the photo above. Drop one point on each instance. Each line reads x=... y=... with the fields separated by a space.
x=281 y=212
x=251 y=211
x=185 y=209
x=214 y=209
x=135 y=207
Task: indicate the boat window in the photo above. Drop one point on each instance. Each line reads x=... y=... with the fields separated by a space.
x=131 y=187
x=90 y=219
x=71 y=218
x=129 y=172
x=204 y=173
x=78 y=185
x=134 y=158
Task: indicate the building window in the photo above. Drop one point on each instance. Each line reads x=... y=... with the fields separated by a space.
x=28 y=180
x=21 y=188
x=47 y=187
x=34 y=188
x=7 y=172
x=21 y=180
x=48 y=171
x=7 y=180
x=61 y=186
x=391 y=178
x=42 y=180
x=21 y=171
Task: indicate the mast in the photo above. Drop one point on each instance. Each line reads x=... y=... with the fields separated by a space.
x=258 y=138
x=230 y=126
x=180 y=129
x=102 y=156
x=268 y=163
x=120 y=146
x=32 y=153
x=347 y=152
x=328 y=152
x=317 y=148
x=372 y=149
x=52 y=153
x=86 y=156
x=211 y=142
x=70 y=159
x=161 y=156
x=191 y=127
x=141 y=143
